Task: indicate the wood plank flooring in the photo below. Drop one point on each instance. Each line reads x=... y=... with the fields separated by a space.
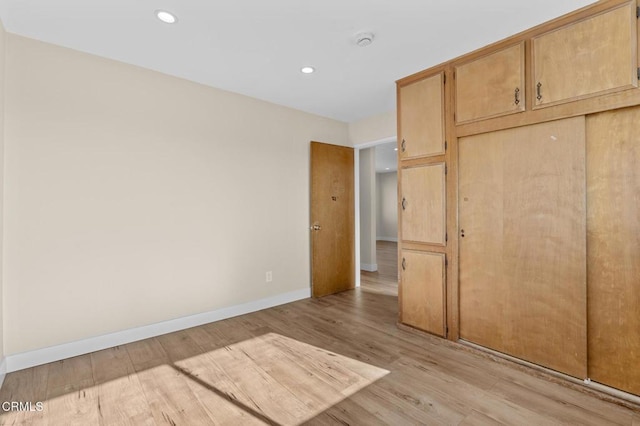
x=335 y=360
x=385 y=279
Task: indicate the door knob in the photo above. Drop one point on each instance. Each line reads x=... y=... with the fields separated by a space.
x=316 y=227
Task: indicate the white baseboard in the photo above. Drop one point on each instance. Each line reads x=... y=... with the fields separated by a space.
x=392 y=239
x=369 y=267
x=3 y=370
x=36 y=357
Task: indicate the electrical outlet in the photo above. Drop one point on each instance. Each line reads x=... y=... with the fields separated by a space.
x=269 y=276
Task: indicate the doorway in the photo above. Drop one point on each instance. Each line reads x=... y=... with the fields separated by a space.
x=377 y=216
x=332 y=219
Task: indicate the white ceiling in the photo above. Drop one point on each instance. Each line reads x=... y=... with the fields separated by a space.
x=257 y=47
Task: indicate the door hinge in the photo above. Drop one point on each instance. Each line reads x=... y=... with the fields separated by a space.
x=446 y=238
x=446 y=169
x=638 y=12
x=446 y=261
x=638 y=73
x=446 y=331
x=445 y=142
x=444 y=79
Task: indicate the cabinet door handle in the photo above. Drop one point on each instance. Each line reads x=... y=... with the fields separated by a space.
x=403 y=145
x=516 y=96
x=404 y=203
x=404 y=264
x=539 y=91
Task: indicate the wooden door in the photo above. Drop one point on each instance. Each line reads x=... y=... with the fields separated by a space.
x=332 y=219
x=613 y=248
x=422 y=204
x=421 y=118
x=422 y=280
x=587 y=58
x=522 y=243
x=491 y=86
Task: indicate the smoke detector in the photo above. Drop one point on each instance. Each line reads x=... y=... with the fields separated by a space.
x=364 y=39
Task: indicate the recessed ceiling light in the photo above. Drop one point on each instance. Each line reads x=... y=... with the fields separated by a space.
x=307 y=70
x=166 y=17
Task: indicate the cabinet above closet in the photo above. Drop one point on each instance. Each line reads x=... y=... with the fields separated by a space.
x=581 y=63
x=593 y=56
x=491 y=86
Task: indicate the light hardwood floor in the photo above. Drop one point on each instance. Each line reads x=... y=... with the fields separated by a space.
x=385 y=279
x=340 y=359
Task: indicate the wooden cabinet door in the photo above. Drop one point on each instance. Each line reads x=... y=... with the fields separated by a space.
x=421 y=118
x=491 y=86
x=613 y=241
x=423 y=204
x=587 y=58
x=422 y=279
x=522 y=244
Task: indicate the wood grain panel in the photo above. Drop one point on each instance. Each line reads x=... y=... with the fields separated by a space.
x=593 y=56
x=491 y=86
x=587 y=106
x=421 y=118
x=422 y=281
x=424 y=199
x=523 y=253
x=332 y=209
x=613 y=238
x=481 y=189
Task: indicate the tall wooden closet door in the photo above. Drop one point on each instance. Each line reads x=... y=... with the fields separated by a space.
x=523 y=243
x=613 y=244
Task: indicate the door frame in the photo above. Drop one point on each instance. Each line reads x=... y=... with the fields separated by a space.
x=356 y=180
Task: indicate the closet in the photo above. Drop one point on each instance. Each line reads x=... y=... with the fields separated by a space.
x=523 y=275
x=519 y=225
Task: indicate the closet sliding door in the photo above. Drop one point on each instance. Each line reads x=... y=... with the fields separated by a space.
x=613 y=200
x=522 y=243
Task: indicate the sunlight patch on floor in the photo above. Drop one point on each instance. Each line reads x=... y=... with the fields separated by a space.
x=274 y=379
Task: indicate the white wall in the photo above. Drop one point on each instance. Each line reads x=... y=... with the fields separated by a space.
x=374 y=128
x=387 y=206
x=132 y=197
x=368 y=209
x=3 y=36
